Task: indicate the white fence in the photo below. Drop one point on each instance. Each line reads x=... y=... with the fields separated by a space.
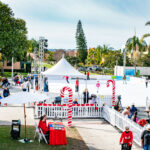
x=117 y=119
x=61 y=111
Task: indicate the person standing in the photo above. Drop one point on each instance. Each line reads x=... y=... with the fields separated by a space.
x=133 y=109
x=146 y=82
x=67 y=79
x=46 y=85
x=86 y=96
x=88 y=75
x=6 y=92
x=145 y=138
x=126 y=139
x=124 y=79
x=126 y=111
x=77 y=85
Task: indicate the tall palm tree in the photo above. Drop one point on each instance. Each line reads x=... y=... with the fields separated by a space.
x=147 y=34
x=131 y=45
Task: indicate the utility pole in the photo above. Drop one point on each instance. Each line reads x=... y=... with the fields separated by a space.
x=35 y=59
x=116 y=65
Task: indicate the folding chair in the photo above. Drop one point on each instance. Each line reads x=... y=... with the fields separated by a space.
x=40 y=133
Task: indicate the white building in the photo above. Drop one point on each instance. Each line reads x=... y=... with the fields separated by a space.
x=119 y=70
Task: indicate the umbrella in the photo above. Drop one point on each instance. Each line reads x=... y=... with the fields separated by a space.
x=23 y=98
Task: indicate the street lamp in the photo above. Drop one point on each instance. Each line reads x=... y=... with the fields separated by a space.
x=124 y=59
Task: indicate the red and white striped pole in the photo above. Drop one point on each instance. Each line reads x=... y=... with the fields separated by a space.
x=113 y=90
x=70 y=103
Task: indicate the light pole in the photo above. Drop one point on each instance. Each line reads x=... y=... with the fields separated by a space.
x=12 y=68
x=135 y=65
x=124 y=60
x=116 y=65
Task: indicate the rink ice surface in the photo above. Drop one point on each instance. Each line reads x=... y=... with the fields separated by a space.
x=132 y=92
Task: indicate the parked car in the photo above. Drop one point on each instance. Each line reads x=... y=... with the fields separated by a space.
x=89 y=69
x=99 y=69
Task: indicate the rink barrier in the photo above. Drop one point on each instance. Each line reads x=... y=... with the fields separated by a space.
x=118 y=120
x=101 y=99
x=61 y=111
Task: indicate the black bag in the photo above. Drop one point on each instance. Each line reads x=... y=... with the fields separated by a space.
x=125 y=146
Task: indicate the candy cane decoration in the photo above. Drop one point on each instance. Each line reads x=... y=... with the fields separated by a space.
x=113 y=90
x=70 y=103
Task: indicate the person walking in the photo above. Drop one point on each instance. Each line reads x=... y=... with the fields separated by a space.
x=88 y=75
x=126 y=139
x=145 y=138
x=77 y=85
x=6 y=92
x=146 y=82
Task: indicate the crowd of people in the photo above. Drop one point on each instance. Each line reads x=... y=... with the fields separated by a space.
x=126 y=138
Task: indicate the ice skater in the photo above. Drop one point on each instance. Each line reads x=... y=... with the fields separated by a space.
x=146 y=82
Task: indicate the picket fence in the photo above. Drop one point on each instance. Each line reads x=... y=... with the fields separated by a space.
x=118 y=120
x=61 y=111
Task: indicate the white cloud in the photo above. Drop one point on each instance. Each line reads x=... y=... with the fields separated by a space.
x=102 y=23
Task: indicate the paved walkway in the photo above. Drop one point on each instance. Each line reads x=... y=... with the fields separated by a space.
x=99 y=135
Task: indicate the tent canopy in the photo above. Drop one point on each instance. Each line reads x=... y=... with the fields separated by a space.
x=62 y=68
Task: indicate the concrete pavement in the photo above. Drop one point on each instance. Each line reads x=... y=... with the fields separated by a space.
x=99 y=135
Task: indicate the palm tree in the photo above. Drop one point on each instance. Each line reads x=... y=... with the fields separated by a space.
x=131 y=45
x=147 y=34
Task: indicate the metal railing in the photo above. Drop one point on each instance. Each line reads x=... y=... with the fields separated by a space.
x=117 y=119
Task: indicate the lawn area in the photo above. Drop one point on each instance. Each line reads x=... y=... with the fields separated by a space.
x=74 y=141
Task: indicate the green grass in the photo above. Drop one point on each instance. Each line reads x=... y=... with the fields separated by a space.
x=7 y=143
x=8 y=74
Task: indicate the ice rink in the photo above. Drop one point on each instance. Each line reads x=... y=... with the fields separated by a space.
x=134 y=91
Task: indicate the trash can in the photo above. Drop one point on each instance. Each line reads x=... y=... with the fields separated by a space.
x=15 y=129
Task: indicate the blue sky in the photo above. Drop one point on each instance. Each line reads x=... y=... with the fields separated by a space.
x=109 y=22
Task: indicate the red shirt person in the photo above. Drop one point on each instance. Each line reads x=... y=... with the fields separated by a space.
x=67 y=78
x=44 y=127
x=126 y=138
x=77 y=85
x=88 y=75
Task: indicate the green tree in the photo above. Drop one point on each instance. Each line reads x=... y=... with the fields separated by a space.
x=72 y=60
x=131 y=44
x=33 y=44
x=50 y=56
x=13 y=35
x=147 y=34
x=81 y=43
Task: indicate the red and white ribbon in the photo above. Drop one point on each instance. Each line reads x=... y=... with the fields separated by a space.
x=113 y=90
x=70 y=103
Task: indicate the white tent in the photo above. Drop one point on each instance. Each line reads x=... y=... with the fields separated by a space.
x=62 y=68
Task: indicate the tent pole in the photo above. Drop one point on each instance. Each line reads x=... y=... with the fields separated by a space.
x=25 y=121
